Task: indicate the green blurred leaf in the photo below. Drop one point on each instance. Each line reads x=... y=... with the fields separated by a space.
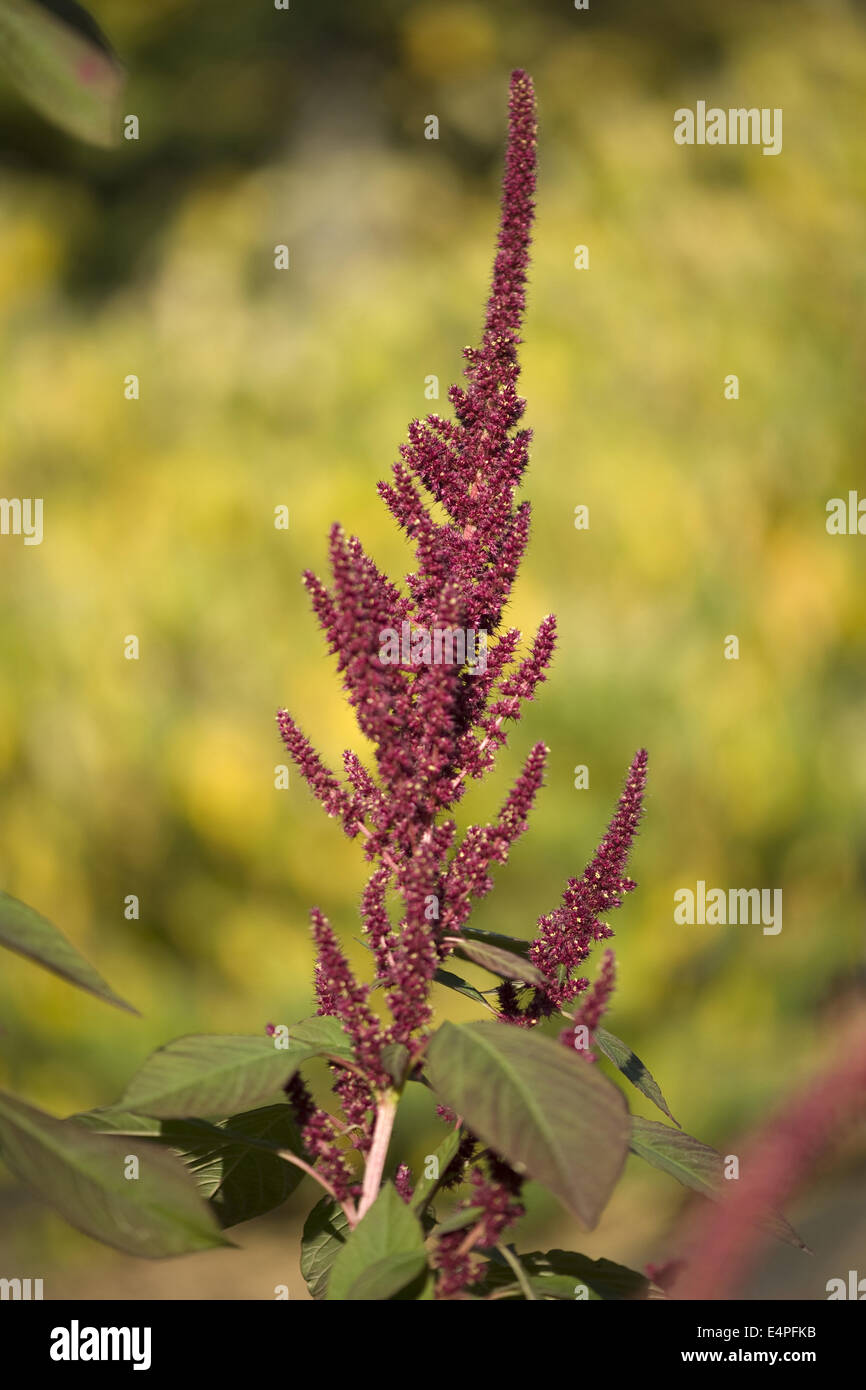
x=211 y=1075
x=235 y=1161
x=632 y=1067
x=515 y=944
x=395 y=1060
x=176 y=1133
x=550 y=1114
x=697 y=1166
x=692 y=1163
x=457 y=1220
x=81 y=1174
x=62 y=67
x=323 y=1037
x=383 y=1254
x=25 y=931
x=326 y=1231
x=506 y=964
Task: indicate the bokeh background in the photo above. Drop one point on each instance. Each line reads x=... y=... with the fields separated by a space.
x=261 y=388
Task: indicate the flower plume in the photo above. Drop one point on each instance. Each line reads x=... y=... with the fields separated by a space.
x=436 y=723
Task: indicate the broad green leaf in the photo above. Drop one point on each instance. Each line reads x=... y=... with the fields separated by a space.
x=499 y=962
x=403 y=1273
x=460 y=986
x=212 y=1075
x=241 y=1179
x=323 y=1036
x=29 y=934
x=82 y=1175
x=632 y=1067
x=692 y=1163
x=427 y=1187
x=235 y=1162
x=557 y=1274
x=515 y=944
x=697 y=1166
x=384 y=1253
x=326 y=1231
x=63 y=67
x=550 y=1114
x=175 y=1133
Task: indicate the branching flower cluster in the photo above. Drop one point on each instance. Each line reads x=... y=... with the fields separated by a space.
x=435 y=726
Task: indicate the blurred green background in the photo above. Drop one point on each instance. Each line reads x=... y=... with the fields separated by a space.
x=261 y=388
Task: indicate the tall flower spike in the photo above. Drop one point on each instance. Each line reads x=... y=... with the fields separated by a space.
x=472 y=466
x=434 y=722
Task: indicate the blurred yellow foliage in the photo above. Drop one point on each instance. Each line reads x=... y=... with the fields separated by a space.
x=262 y=388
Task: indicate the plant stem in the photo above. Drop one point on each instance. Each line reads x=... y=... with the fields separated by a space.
x=385 y=1115
x=519 y=1273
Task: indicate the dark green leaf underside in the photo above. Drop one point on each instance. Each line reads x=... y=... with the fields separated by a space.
x=632 y=1068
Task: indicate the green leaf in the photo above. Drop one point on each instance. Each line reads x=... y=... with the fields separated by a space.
x=632 y=1067
x=323 y=1037
x=461 y=986
x=326 y=1231
x=175 y=1133
x=82 y=1175
x=556 y=1273
x=240 y=1179
x=499 y=962
x=550 y=1114
x=427 y=1187
x=384 y=1253
x=213 y=1075
x=62 y=68
x=692 y=1163
x=25 y=931
x=387 y=1277
x=515 y=944
x=235 y=1162
x=697 y=1166
x=457 y=1220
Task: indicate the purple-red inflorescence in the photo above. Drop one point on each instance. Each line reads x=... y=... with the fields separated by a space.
x=567 y=934
x=435 y=721
x=591 y=1009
